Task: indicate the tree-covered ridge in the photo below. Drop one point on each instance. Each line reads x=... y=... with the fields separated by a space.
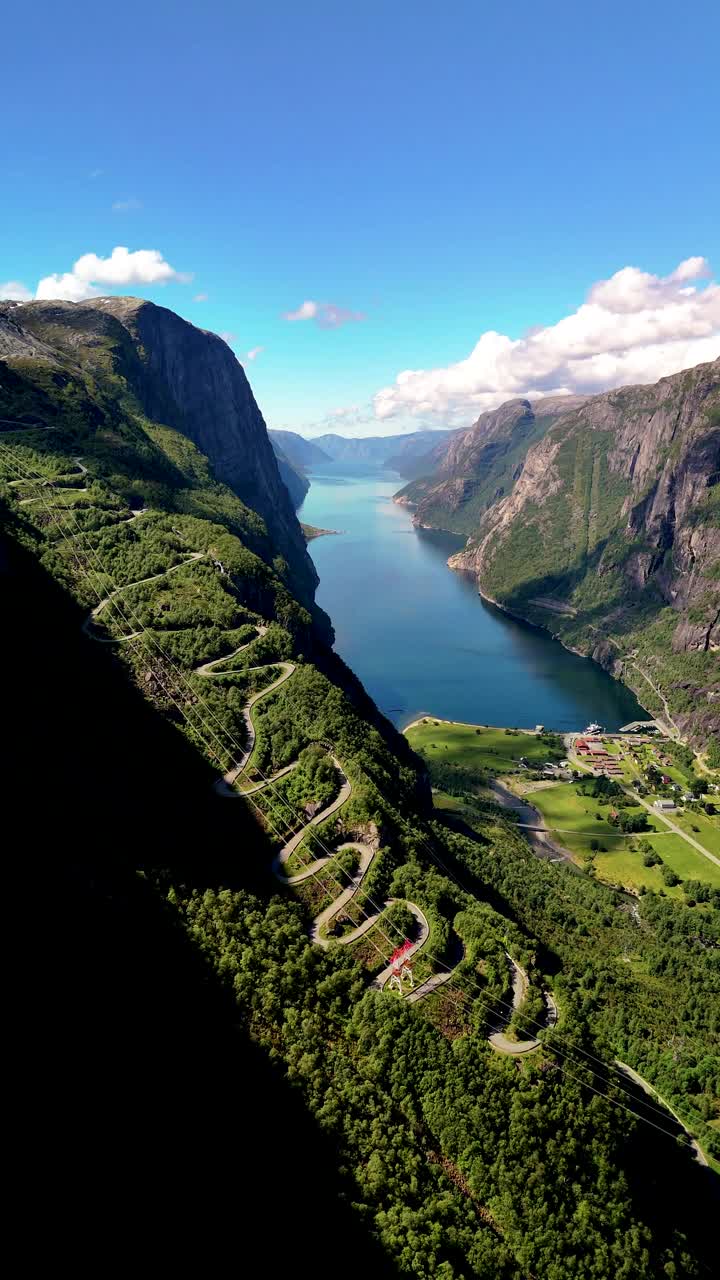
x=465 y=1163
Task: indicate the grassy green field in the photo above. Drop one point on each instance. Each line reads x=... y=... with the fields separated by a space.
x=708 y=833
x=497 y=750
x=574 y=816
x=622 y=866
x=685 y=861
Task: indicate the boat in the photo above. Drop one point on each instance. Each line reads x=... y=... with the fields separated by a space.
x=593 y=728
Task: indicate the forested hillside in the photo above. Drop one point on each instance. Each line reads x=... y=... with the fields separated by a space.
x=236 y=801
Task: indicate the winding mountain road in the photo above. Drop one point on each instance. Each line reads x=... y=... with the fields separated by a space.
x=155 y=577
x=226 y=786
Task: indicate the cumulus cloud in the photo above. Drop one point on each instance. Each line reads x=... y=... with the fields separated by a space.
x=633 y=327
x=126 y=206
x=253 y=353
x=327 y=315
x=143 y=266
x=15 y=291
x=65 y=287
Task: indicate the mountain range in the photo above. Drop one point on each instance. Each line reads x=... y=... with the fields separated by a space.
x=597 y=517
x=234 y=845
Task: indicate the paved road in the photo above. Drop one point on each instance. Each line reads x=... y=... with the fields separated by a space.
x=675 y=731
x=287 y=670
x=207 y=667
x=295 y=841
x=498 y=1039
x=653 y=1093
x=155 y=577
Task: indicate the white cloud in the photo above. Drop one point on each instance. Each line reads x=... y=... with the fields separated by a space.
x=634 y=327
x=200 y=297
x=66 y=287
x=126 y=206
x=327 y=315
x=15 y=291
x=228 y=337
x=306 y=311
x=253 y=353
x=143 y=266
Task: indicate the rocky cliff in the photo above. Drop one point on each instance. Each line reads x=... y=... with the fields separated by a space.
x=295 y=480
x=611 y=538
x=466 y=473
x=180 y=376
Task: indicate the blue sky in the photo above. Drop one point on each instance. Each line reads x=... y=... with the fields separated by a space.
x=440 y=170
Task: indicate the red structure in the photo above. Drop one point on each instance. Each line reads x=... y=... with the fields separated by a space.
x=400 y=967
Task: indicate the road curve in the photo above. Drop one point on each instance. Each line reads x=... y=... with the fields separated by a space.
x=498 y=1039
x=699 y=1154
x=155 y=577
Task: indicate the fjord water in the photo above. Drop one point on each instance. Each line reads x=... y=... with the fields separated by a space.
x=420 y=637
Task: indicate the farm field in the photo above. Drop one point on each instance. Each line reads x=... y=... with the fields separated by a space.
x=574 y=816
x=707 y=834
x=622 y=866
x=496 y=750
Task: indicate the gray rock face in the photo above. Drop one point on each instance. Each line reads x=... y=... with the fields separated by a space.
x=467 y=472
x=659 y=544
x=295 y=481
x=299 y=451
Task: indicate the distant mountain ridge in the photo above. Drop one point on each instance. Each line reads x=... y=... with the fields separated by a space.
x=298 y=451
x=396 y=451
x=293 y=477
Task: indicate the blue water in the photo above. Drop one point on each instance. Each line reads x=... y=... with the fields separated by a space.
x=419 y=636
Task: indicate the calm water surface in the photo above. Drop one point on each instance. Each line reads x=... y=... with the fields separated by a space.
x=419 y=636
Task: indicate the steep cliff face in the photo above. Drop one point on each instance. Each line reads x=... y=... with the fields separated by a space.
x=467 y=473
x=182 y=377
x=611 y=537
x=295 y=480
